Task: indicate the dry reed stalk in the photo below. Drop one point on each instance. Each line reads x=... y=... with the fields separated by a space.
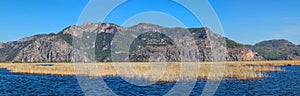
x=166 y=72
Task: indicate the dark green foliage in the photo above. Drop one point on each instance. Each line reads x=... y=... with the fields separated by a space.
x=199 y=33
x=233 y=44
x=51 y=34
x=103 y=46
x=275 y=43
x=276 y=49
x=67 y=37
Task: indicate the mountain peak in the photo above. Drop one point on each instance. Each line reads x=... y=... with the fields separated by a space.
x=146 y=25
x=74 y=30
x=275 y=43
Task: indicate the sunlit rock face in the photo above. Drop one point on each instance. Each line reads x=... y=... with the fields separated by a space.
x=148 y=42
x=242 y=54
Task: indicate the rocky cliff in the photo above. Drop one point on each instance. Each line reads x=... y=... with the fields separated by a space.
x=147 y=40
x=48 y=48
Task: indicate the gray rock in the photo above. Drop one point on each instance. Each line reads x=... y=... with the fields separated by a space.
x=72 y=43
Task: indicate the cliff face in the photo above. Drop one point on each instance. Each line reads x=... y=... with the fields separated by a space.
x=150 y=45
x=242 y=54
x=145 y=45
x=8 y=51
x=49 y=48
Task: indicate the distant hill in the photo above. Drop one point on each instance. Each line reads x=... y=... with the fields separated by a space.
x=233 y=44
x=278 y=49
x=59 y=47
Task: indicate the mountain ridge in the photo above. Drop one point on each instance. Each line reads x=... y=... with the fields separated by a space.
x=58 y=47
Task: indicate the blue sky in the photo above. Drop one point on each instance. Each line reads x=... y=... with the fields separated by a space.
x=245 y=21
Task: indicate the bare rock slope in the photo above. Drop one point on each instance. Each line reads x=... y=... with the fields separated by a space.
x=147 y=39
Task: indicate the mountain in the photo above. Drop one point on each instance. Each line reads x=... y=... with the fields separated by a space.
x=38 y=48
x=278 y=49
x=148 y=42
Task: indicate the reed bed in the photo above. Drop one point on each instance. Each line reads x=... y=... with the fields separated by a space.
x=155 y=71
x=265 y=63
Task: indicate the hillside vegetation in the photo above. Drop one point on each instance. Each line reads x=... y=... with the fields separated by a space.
x=277 y=50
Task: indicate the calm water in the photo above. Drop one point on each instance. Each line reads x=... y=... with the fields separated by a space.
x=279 y=83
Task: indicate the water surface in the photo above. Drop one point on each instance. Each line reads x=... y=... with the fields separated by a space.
x=276 y=83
